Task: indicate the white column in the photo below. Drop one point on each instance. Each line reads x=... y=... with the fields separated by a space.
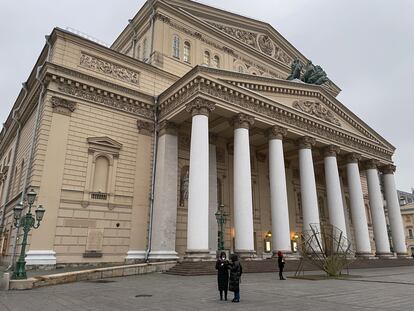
x=394 y=213
x=333 y=190
x=164 y=215
x=356 y=199
x=377 y=210
x=198 y=190
x=307 y=185
x=278 y=192
x=243 y=206
x=213 y=202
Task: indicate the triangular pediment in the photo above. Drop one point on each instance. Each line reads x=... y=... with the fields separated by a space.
x=104 y=143
x=254 y=34
x=310 y=104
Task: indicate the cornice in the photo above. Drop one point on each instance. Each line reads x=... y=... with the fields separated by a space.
x=221 y=91
x=102 y=97
x=64 y=72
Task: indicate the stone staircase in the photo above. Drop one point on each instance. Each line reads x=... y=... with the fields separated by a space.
x=270 y=265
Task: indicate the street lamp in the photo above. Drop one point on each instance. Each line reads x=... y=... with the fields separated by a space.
x=221 y=217
x=27 y=222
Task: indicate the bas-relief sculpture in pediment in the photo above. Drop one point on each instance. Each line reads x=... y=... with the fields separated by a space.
x=259 y=41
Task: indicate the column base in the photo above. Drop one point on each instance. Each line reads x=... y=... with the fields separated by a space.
x=385 y=255
x=163 y=255
x=246 y=254
x=403 y=255
x=135 y=255
x=198 y=255
x=40 y=258
x=364 y=255
x=286 y=253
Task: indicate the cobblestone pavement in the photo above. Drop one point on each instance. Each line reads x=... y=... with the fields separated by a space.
x=375 y=289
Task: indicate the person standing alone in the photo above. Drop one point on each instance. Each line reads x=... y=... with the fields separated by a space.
x=281 y=264
x=222 y=267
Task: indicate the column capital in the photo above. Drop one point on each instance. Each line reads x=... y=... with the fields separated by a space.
x=200 y=106
x=62 y=106
x=331 y=151
x=145 y=127
x=167 y=127
x=352 y=157
x=306 y=142
x=370 y=164
x=212 y=138
x=242 y=120
x=276 y=132
x=388 y=169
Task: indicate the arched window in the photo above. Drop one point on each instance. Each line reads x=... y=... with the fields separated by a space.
x=216 y=61
x=187 y=50
x=145 y=49
x=241 y=69
x=100 y=178
x=206 y=58
x=176 y=47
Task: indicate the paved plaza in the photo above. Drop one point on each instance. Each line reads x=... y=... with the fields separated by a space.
x=374 y=289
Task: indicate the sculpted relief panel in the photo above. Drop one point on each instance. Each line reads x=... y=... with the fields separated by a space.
x=109 y=69
x=316 y=109
x=260 y=42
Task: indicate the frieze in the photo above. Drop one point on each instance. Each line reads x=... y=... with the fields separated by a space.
x=316 y=109
x=108 y=101
x=109 y=69
x=62 y=106
x=260 y=42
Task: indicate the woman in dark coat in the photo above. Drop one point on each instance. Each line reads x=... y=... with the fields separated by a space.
x=222 y=267
x=281 y=264
x=235 y=275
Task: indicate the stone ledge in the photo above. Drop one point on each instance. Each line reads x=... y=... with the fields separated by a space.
x=92 y=274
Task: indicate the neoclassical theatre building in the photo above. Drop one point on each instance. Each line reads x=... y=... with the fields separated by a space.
x=132 y=148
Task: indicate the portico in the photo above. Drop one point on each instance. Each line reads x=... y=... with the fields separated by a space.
x=255 y=138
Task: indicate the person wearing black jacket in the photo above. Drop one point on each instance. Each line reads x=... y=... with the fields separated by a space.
x=235 y=275
x=281 y=264
x=222 y=267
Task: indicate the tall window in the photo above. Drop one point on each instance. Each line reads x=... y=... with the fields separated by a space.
x=145 y=49
x=139 y=51
x=216 y=61
x=20 y=176
x=206 y=58
x=100 y=178
x=176 y=47
x=410 y=233
x=187 y=50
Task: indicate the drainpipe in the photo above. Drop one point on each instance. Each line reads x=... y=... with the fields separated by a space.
x=134 y=39
x=32 y=147
x=152 y=19
x=154 y=169
x=13 y=165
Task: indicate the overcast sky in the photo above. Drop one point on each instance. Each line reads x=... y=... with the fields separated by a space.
x=366 y=48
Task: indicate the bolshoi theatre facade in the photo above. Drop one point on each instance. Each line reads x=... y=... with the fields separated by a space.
x=132 y=148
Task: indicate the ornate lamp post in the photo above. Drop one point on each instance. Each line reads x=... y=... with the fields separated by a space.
x=27 y=222
x=221 y=217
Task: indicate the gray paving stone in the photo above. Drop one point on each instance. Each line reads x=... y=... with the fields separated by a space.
x=375 y=289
